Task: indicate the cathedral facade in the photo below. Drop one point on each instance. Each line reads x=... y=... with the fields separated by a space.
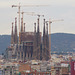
x=30 y=45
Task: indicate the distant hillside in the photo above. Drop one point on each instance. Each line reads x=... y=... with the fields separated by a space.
x=59 y=42
x=63 y=42
x=4 y=42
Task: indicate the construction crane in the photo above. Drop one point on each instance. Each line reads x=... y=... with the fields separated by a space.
x=18 y=17
x=23 y=15
x=19 y=13
x=51 y=21
x=19 y=6
x=38 y=15
x=26 y=13
x=33 y=14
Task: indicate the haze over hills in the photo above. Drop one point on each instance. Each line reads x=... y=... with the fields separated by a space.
x=4 y=42
x=59 y=42
x=63 y=42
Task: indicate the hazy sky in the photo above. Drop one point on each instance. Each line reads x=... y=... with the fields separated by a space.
x=57 y=9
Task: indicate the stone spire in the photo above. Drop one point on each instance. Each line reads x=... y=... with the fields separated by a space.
x=34 y=27
x=47 y=38
x=21 y=24
x=38 y=41
x=38 y=26
x=15 y=34
x=24 y=27
x=44 y=43
x=12 y=36
x=47 y=43
x=35 y=43
x=44 y=34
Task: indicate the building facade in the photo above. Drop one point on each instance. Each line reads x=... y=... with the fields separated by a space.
x=30 y=45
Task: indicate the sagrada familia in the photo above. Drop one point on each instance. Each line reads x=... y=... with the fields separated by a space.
x=30 y=45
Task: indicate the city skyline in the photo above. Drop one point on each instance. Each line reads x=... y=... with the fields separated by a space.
x=55 y=10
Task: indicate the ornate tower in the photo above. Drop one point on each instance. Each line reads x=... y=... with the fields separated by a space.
x=47 y=38
x=47 y=43
x=12 y=36
x=35 y=43
x=21 y=24
x=44 y=43
x=44 y=35
x=21 y=30
x=38 y=40
x=24 y=27
x=15 y=33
